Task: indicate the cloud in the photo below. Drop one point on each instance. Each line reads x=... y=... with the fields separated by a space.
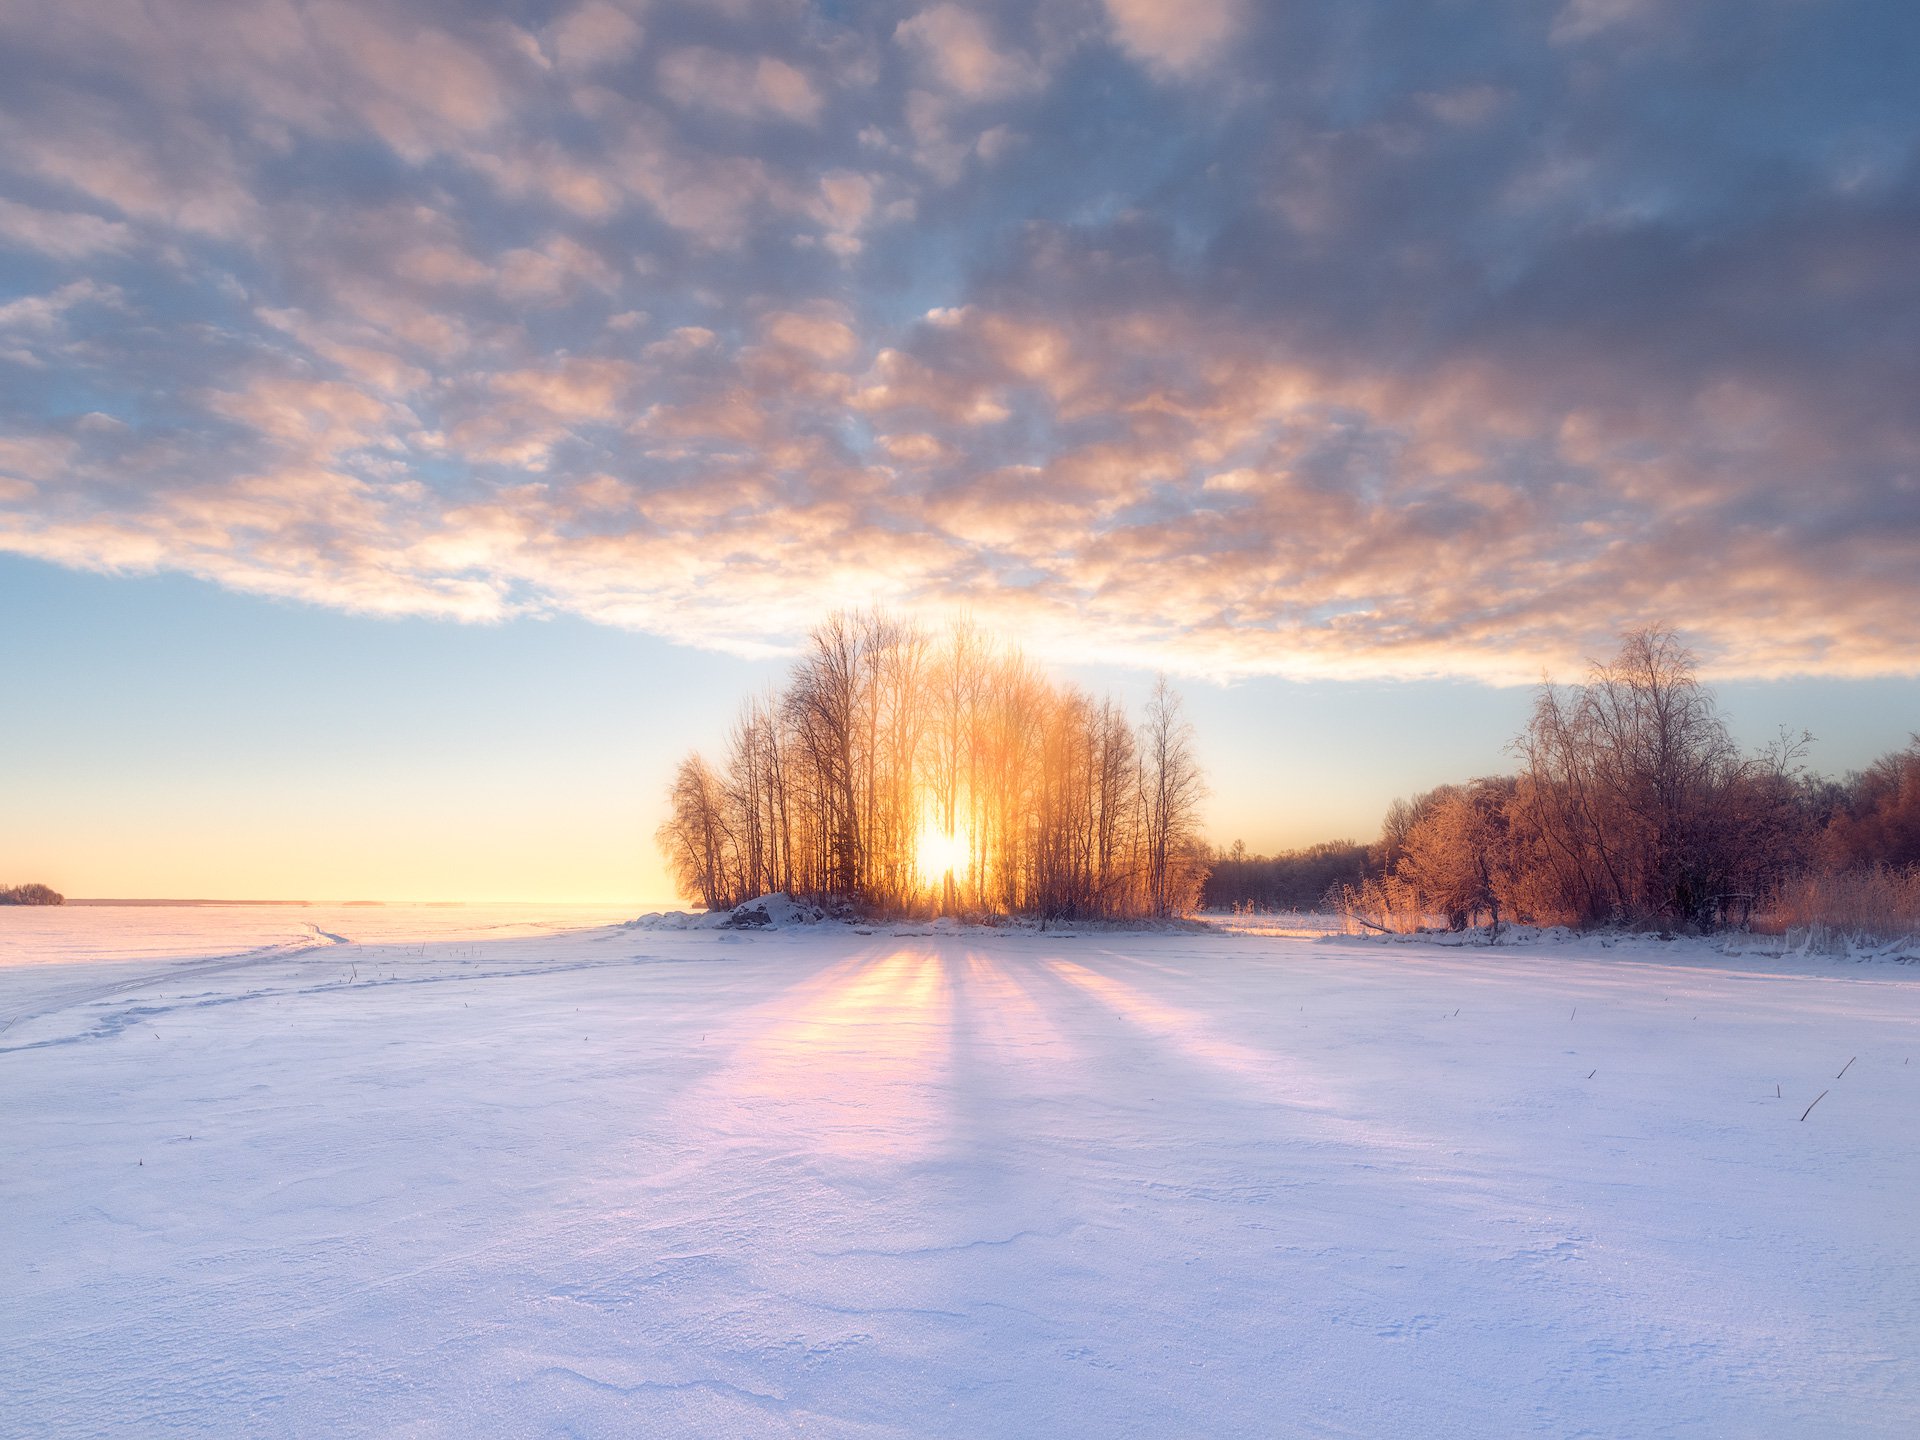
x=956 y=51
x=315 y=419
x=594 y=34
x=553 y=271
x=1325 y=339
x=582 y=389
x=843 y=207
x=825 y=335
x=64 y=235
x=45 y=312
x=1180 y=37
x=1582 y=19
x=749 y=87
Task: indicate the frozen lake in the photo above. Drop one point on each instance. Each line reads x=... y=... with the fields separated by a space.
x=63 y=934
x=542 y=1180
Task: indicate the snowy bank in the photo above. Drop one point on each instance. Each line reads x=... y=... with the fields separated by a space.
x=768 y=912
x=1813 y=945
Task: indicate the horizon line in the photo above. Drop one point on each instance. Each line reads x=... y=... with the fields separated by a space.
x=295 y=904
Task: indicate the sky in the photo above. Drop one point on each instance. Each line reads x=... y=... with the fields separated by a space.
x=421 y=422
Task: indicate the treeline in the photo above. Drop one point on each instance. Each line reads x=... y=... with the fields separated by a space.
x=1632 y=805
x=1292 y=880
x=902 y=772
x=31 y=895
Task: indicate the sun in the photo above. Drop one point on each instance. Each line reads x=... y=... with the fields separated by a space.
x=938 y=853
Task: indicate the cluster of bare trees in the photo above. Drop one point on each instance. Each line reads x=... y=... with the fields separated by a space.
x=31 y=895
x=901 y=772
x=1632 y=805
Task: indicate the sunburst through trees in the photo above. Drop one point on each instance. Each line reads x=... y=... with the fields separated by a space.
x=903 y=772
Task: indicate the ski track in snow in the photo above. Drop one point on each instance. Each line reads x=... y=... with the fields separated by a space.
x=811 y=1182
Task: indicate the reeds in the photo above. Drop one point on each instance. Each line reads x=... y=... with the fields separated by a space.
x=1831 y=908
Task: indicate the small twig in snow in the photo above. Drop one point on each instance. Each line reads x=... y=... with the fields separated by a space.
x=1816 y=1100
x=1846 y=1067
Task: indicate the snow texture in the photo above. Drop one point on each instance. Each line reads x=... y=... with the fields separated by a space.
x=802 y=1180
x=769 y=912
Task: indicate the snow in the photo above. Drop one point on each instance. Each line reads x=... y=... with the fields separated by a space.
x=60 y=934
x=768 y=912
x=801 y=1180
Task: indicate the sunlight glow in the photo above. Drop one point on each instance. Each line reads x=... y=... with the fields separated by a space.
x=854 y=1059
x=938 y=853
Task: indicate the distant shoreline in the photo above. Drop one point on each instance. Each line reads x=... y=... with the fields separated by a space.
x=210 y=902
x=374 y=904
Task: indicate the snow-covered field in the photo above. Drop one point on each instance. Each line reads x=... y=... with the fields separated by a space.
x=812 y=1182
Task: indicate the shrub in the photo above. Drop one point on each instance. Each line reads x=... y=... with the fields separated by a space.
x=1383 y=902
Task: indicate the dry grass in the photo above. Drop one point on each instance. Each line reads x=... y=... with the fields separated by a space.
x=1878 y=904
x=1387 y=904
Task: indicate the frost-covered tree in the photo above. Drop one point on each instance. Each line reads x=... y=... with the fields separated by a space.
x=1877 y=821
x=1457 y=856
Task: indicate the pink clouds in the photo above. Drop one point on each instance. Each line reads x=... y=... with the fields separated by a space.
x=825 y=336
x=64 y=234
x=1181 y=37
x=1149 y=331
x=957 y=52
x=319 y=418
x=747 y=87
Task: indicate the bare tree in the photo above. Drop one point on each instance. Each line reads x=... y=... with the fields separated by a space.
x=695 y=836
x=823 y=705
x=1632 y=800
x=1171 y=789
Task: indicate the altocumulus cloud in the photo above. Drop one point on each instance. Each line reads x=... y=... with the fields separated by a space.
x=1316 y=338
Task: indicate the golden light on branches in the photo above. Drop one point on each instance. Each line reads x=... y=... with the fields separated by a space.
x=902 y=772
